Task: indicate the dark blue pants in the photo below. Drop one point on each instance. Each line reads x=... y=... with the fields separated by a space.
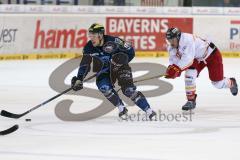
x=125 y=80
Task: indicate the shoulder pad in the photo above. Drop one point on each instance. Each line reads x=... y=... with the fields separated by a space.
x=87 y=48
x=123 y=44
x=119 y=41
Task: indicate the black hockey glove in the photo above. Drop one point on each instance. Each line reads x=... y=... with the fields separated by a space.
x=118 y=60
x=77 y=83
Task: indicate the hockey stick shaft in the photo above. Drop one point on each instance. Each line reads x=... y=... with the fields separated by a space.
x=45 y=102
x=16 y=116
x=58 y=95
x=149 y=78
x=145 y=79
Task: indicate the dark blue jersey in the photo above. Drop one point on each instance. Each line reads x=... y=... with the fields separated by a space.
x=101 y=55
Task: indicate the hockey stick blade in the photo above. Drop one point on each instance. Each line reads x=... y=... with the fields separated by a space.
x=9 y=130
x=10 y=115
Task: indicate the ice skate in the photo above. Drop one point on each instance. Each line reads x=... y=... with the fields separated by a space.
x=190 y=105
x=152 y=115
x=123 y=115
x=234 y=88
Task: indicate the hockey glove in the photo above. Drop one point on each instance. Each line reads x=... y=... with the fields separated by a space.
x=173 y=71
x=118 y=60
x=76 y=83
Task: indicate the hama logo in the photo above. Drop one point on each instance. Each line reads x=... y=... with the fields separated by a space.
x=59 y=38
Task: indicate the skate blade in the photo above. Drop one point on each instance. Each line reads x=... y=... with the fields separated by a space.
x=124 y=117
x=188 y=112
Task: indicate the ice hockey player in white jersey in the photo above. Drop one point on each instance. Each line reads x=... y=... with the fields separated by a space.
x=190 y=53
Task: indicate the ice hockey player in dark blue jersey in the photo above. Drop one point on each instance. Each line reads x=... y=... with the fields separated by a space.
x=110 y=56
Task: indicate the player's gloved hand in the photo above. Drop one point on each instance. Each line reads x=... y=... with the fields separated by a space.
x=173 y=71
x=77 y=83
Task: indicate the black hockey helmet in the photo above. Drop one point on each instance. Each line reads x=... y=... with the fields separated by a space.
x=173 y=33
x=96 y=28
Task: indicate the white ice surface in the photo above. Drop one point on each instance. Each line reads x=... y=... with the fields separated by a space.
x=213 y=133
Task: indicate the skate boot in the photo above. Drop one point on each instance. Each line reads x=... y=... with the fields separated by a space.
x=153 y=114
x=234 y=88
x=123 y=115
x=191 y=104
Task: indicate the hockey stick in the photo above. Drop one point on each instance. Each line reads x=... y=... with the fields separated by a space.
x=9 y=130
x=145 y=79
x=16 y=116
x=149 y=78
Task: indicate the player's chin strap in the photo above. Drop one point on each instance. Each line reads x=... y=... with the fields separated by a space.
x=101 y=42
x=145 y=79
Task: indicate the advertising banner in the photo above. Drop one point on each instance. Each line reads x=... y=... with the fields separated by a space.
x=64 y=35
x=146 y=33
x=223 y=31
x=24 y=34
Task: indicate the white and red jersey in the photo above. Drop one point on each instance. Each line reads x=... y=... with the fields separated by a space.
x=190 y=47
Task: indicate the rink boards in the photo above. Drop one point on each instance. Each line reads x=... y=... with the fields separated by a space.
x=41 y=36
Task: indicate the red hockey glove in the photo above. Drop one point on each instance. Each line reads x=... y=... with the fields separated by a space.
x=173 y=71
